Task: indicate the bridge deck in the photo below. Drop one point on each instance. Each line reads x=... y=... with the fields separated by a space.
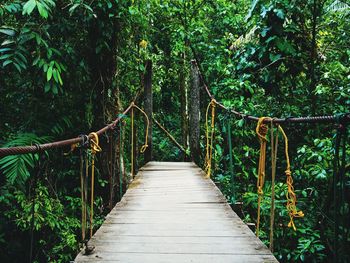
x=172 y=214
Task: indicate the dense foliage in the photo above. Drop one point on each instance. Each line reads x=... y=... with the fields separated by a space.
x=70 y=66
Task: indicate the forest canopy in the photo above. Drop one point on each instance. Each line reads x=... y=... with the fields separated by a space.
x=69 y=67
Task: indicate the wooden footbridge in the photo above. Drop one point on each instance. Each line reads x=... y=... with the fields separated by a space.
x=173 y=213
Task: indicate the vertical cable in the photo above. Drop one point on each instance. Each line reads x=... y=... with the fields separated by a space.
x=229 y=138
x=339 y=164
x=274 y=147
x=33 y=193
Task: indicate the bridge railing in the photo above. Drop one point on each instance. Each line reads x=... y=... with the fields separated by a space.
x=86 y=148
x=269 y=130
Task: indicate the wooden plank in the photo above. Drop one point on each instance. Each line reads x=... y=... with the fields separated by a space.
x=168 y=166
x=183 y=248
x=172 y=213
x=178 y=258
x=175 y=240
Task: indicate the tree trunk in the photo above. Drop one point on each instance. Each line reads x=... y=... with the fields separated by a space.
x=184 y=106
x=313 y=55
x=194 y=112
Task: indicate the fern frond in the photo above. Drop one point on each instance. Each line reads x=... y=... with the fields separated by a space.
x=17 y=168
x=338 y=6
x=61 y=126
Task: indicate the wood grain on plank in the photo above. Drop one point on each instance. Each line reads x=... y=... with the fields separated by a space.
x=172 y=213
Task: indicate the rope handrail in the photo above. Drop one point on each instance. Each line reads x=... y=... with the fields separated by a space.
x=307 y=119
x=144 y=147
x=58 y=144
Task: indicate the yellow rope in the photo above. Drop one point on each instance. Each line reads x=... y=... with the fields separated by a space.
x=144 y=147
x=291 y=197
x=274 y=147
x=94 y=149
x=84 y=164
x=261 y=131
x=209 y=144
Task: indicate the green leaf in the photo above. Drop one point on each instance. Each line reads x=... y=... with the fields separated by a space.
x=251 y=10
x=29 y=7
x=5 y=49
x=20 y=62
x=8 y=32
x=21 y=56
x=6 y=56
x=18 y=67
x=35 y=62
x=47 y=87
x=16 y=167
x=88 y=8
x=59 y=78
x=73 y=7
x=49 y=73
x=264 y=31
x=55 y=90
x=54 y=73
x=58 y=67
x=42 y=10
x=7 y=42
x=285 y=46
x=132 y=10
x=274 y=57
x=7 y=62
x=279 y=13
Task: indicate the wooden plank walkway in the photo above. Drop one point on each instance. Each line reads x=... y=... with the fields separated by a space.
x=172 y=214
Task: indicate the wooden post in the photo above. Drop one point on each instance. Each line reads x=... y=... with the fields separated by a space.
x=121 y=160
x=111 y=159
x=184 y=105
x=136 y=148
x=148 y=108
x=194 y=114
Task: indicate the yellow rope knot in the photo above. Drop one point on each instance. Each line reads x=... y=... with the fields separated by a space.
x=291 y=197
x=261 y=131
x=143 y=148
x=213 y=103
x=209 y=145
x=95 y=148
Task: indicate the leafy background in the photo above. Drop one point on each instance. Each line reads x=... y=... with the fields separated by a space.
x=68 y=67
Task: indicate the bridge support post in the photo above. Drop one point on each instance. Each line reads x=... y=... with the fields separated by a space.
x=184 y=104
x=148 y=104
x=194 y=114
